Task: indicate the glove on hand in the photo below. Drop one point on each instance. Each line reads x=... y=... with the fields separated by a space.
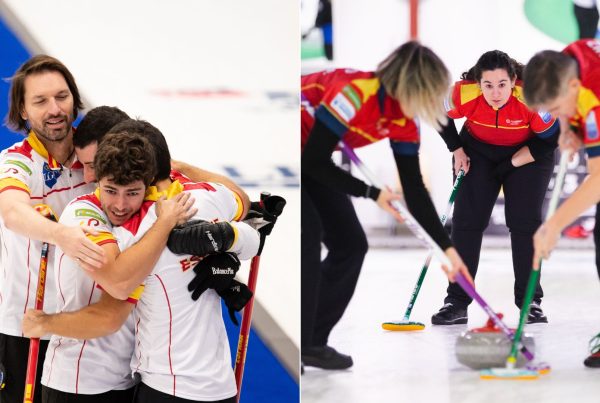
x=199 y=237
x=214 y=271
x=260 y=219
x=236 y=296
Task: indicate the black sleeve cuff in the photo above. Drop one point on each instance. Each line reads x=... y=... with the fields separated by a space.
x=450 y=136
x=373 y=192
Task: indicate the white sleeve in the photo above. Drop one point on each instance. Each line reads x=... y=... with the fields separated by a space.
x=246 y=242
x=15 y=172
x=228 y=203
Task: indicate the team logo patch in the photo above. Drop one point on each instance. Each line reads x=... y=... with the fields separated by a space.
x=20 y=165
x=83 y=212
x=591 y=127
x=448 y=103
x=352 y=96
x=343 y=107
x=50 y=175
x=545 y=116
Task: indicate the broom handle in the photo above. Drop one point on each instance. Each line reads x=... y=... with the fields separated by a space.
x=417 y=288
x=535 y=271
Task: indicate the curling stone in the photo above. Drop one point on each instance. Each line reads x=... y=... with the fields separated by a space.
x=488 y=347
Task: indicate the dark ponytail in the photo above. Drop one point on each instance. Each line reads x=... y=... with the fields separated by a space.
x=492 y=60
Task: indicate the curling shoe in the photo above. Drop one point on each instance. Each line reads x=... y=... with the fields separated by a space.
x=450 y=314
x=593 y=361
x=536 y=315
x=325 y=357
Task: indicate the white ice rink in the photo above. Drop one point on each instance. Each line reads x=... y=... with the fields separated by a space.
x=421 y=366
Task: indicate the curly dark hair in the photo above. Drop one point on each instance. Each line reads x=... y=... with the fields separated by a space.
x=125 y=158
x=492 y=60
x=156 y=139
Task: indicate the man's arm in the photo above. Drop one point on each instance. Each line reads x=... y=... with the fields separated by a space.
x=20 y=217
x=200 y=175
x=96 y=320
x=125 y=271
x=586 y=195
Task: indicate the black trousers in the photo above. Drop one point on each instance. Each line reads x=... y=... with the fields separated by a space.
x=145 y=394
x=328 y=217
x=14 y=351
x=524 y=191
x=113 y=396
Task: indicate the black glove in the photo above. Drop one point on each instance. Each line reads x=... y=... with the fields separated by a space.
x=503 y=169
x=199 y=237
x=263 y=215
x=236 y=296
x=214 y=271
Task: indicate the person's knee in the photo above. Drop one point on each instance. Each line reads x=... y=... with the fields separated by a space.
x=466 y=222
x=523 y=225
x=352 y=247
x=361 y=244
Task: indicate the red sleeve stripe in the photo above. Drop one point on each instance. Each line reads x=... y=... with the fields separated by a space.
x=16 y=188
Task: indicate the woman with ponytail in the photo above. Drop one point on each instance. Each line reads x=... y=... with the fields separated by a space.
x=361 y=108
x=502 y=144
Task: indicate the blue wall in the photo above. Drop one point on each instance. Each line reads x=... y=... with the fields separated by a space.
x=12 y=55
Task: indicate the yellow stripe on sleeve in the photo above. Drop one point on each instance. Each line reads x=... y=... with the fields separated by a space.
x=240 y=206
x=235 y=236
x=12 y=183
x=135 y=296
x=102 y=238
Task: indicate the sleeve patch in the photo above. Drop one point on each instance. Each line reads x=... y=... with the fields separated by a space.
x=344 y=108
x=591 y=127
x=449 y=103
x=353 y=96
x=545 y=116
x=90 y=213
x=20 y=164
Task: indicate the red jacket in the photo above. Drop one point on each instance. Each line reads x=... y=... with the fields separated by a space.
x=511 y=125
x=587 y=54
x=354 y=105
